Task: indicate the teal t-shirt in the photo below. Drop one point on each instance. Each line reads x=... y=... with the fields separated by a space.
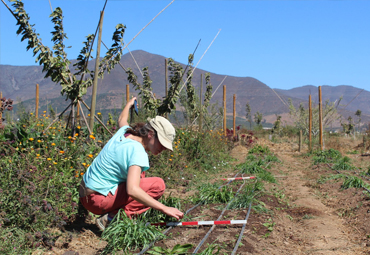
x=110 y=167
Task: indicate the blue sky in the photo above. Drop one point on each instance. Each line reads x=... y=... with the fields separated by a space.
x=284 y=44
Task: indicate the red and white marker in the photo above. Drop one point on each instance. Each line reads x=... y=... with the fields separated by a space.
x=239 y=178
x=198 y=223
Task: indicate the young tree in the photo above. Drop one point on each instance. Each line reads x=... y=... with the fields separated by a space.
x=358 y=114
x=248 y=114
x=258 y=118
x=301 y=116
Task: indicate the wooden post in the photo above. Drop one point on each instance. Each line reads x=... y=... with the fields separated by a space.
x=200 y=103
x=127 y=93
x=95 y=82
x=310 y=123
x=224 y=110
x=37 y=101
x=234 y=116
x=166 y=80
x=320 y=120
x=300 y=140
x=78 y=114
x=1 y=114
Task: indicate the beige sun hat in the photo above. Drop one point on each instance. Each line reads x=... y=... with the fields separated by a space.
x=166 y=132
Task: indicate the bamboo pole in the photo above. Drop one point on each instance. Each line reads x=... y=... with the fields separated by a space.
x=96 y=76
x=310 y=122
x=320 y=120
x=234 y=116
x=200 y=103
x=78 y=114
x=37 y=101
x=166 y=80
x=224 y=99
x=127 y=93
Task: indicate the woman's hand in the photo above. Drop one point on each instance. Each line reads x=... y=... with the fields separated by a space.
x=173 y=212
x=123 y=118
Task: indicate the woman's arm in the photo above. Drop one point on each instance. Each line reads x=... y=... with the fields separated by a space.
x=123 y=117
x=137 y=193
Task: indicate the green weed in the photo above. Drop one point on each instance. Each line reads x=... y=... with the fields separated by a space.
x=352 y=182
x=211 y=194
x=325 y=156
x=128 y=234
x=343 y=164
x=177 y=249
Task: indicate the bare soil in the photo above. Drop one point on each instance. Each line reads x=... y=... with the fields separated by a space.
x=307 y=217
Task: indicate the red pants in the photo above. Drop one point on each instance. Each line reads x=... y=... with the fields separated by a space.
x=100 y=204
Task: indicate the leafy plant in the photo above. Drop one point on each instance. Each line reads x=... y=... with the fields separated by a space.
x=326 y=156
x=126 y=234
x=210 y=194
x=352 y=182
x=269 y=225
x=258 y=149
x=343 y=164
x=177 y=249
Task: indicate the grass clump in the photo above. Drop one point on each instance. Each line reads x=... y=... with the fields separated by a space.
x=325 y=156
x=343 y=164
x=212 y=194
x=352 y=182
x=258 y=149
x=126 y=234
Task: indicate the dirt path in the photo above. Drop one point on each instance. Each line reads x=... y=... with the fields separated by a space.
x=325 y=232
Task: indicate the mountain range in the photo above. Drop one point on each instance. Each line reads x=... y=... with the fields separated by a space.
x=19 y=82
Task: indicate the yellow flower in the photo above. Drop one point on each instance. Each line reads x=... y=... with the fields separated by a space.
x=55 y=163
x=99 y=113
x=31 y=139
x=171 y=155
x=92 y=137
x=183 y=133
x=44 y=111
x=78 y=127
x=46 y=118
x=49 y=159
x=38 y=155
x=170 y=159
x=61 y=152
x=88 y=115
x=76 y=134
x=39 y=141
x=69 y=137
x=180 y=154
x=175 y=147
x=53 y=144
x=84 y=164
x=82 y=174
x=175 y=142
x=76 y=175
x=90 y=156
x=31 y=113
x=186 y=166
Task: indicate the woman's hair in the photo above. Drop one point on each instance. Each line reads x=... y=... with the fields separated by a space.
x=141 y=129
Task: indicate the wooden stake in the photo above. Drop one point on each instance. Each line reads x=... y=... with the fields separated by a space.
x=320 y=120
x=166 y=80
x=37 y=101
x=224 y=110
x=127 y=93
x=95 y=82
x=200 y=103
x=300 y=141
x=234 y=116
x=1 y=114
x=310 y=122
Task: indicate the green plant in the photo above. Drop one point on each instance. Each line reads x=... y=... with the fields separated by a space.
x=352 y=182
x=258 y=149
x=325 y=156
x=177 y=249
x=343 y=164
x=126 y=234
x=211 y=194
x=269 y=225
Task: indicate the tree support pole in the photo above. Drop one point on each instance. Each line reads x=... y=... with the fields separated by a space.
x=234 y=115
x=320 y=120
x=166 y=80
x=95 y=82
x=200 y=103
x=37 y=101
x=224 y=99
x=310 y=123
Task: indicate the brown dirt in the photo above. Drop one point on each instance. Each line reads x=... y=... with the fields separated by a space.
x=308 y=217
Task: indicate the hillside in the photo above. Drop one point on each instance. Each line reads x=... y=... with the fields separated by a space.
x=18 y=83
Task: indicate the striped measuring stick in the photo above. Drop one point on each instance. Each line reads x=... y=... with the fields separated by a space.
x=198 y=223
x=239 y=178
